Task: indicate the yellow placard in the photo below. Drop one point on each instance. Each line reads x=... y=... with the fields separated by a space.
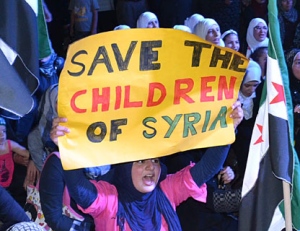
x=143 y=93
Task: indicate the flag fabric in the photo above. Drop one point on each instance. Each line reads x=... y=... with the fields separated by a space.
x=272 y=158
x=19 y=60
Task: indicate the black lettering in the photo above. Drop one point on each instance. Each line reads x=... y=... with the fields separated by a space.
x=92 y=136
x=236 y=61
x=76 y=74
x=101 y=51
x=123 y=64
x=115 y=124
x=216 y=56
x=197 y=51
x=148 y=55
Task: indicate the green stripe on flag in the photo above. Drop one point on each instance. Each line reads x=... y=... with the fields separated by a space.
x=44 y=40
x=276 y=52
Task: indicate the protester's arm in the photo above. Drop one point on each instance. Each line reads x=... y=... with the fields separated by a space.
x=210 y=164
x=10 y=211
x=21 y=154
x=80 y=188
x=36 y=148
x=226 y=175
x=213 y=159
x=18 y=149
x=51 y=188
x=32 y=175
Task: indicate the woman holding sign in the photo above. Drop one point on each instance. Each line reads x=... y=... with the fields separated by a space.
x=141 y=195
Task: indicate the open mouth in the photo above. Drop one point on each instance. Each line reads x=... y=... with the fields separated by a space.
x=148 y=179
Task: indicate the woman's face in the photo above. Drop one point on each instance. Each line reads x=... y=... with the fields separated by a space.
x=262 y=61
x=153 y=23
x=260 y=32
x=213 y=34
x=248 y=88
x=286 y=5
x=145 y=174
x=296 y=66
x=232 y=41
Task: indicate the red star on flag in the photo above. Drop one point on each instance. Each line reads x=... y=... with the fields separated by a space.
x=260 y=139
x=280 y=96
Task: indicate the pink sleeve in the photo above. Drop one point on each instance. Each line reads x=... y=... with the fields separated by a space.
x=180 y=186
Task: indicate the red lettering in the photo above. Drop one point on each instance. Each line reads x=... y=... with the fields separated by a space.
x=127 y=102
x=118 y=97
x=101 y=99
x=152 y=88
x=205 y=89
x=73 y=104
x=180 y=92
x=223 y=89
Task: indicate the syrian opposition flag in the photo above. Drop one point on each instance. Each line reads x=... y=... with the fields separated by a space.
x=272 y=159
x=19 y=60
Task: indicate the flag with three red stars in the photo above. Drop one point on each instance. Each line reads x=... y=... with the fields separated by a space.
x=272 y=158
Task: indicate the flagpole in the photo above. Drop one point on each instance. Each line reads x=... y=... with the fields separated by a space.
x=287 y=206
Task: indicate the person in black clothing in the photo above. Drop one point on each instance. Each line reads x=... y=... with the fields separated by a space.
x=293 y=63
x=10 y=211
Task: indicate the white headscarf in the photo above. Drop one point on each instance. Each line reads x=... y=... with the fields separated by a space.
x=253 y=73
x=228 y=32
x=145 y=18
x=202 y=27
x=252 y=42
x=183 y=28
x=193 y=20
x=121 y=27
